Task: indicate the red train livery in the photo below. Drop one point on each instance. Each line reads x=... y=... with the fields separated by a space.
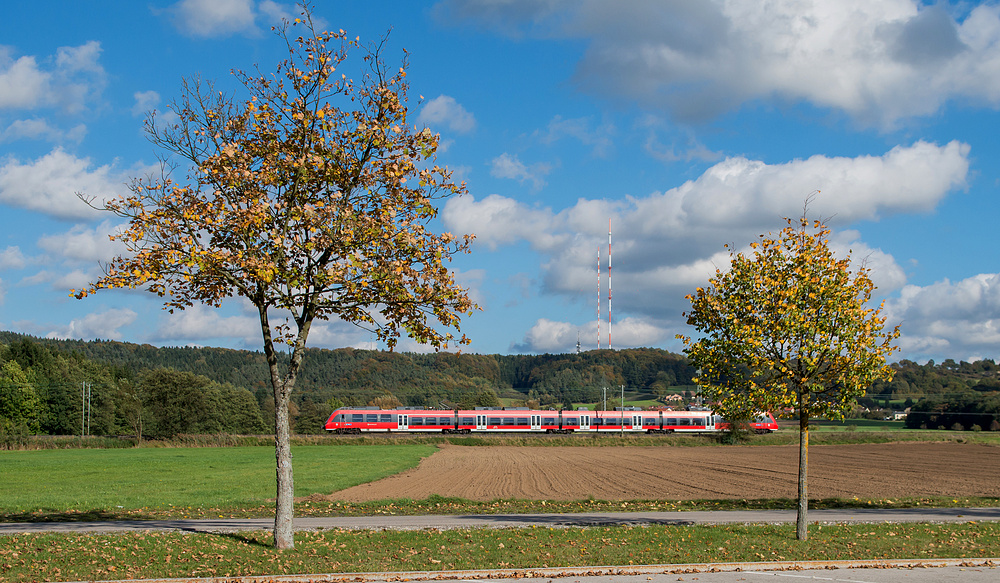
x=523 y=420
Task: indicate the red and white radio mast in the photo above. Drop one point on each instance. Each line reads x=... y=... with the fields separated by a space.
x=598 y=297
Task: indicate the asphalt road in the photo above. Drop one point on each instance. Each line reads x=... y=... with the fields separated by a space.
x=520 y=520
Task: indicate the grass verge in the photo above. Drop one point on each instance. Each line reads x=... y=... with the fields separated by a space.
x=822 y=432
x=63 y=557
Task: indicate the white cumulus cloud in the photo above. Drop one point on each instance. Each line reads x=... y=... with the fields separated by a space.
x=962 y=317
x=879 y=62
x=76 y=79
x=200 y=322
x=498 y=220
x=49 y=184
x=667 y=243
x=12 y=258
x=40 y=129
x=222 y=18
x=443 y=110
x=106 y=324
x=561 y=337
x=22 y=83
x=90 y=244
x=144 y=101
x=508 y=166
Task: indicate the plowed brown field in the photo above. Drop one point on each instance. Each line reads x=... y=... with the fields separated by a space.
x=683 y=473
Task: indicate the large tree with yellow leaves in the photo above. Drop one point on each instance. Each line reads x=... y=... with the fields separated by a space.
x=311 y=197
x=789 y=327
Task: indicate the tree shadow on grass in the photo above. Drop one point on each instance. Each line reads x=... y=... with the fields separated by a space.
x=93 y=515
x=247 y=538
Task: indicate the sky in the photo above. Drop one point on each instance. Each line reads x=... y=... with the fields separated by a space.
x=686 y=125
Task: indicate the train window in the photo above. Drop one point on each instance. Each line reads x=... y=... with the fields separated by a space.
x=571 y=421
x=650 y=421
x=416 y=421
x=371 y=418
x=446 y=421
x=495 y=421
x=468 y=420
x=670 y=421
x=385 y=417
x=701 y=421
x=357 y=417
x=508 y=421
x=548 y=420
x=522 y=420
x=685 y=421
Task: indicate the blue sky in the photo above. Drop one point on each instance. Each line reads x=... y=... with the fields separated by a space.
x=689 y=124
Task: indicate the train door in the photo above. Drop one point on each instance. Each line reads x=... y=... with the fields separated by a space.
x=584 y=422
x=536 y=422
x=402 y=422
x=480 y=422
x=636 y=422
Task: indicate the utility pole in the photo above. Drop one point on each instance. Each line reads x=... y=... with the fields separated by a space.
x=85 y=390
x=623 y=411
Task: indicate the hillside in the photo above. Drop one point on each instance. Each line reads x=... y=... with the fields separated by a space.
x=133 y=382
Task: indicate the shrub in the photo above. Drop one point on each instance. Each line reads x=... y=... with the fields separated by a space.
x=13 y=435
x=957 y=427
x=976 y=428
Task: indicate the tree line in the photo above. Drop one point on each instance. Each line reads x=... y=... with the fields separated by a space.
x=139 y=389
x=45 y=390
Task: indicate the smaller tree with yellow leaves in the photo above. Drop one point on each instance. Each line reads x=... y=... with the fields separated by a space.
x=789 y=328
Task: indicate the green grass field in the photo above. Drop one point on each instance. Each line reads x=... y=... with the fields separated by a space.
x=855 y=425
x=54 y=481
x=62 y=557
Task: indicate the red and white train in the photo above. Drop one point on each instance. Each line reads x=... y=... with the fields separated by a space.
x=523 y=420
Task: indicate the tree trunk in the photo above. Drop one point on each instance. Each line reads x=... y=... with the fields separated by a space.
x=284 y=502
x=801 y=523
x=284 y=509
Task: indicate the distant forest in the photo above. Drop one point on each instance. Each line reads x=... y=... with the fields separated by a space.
x=160 y=392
